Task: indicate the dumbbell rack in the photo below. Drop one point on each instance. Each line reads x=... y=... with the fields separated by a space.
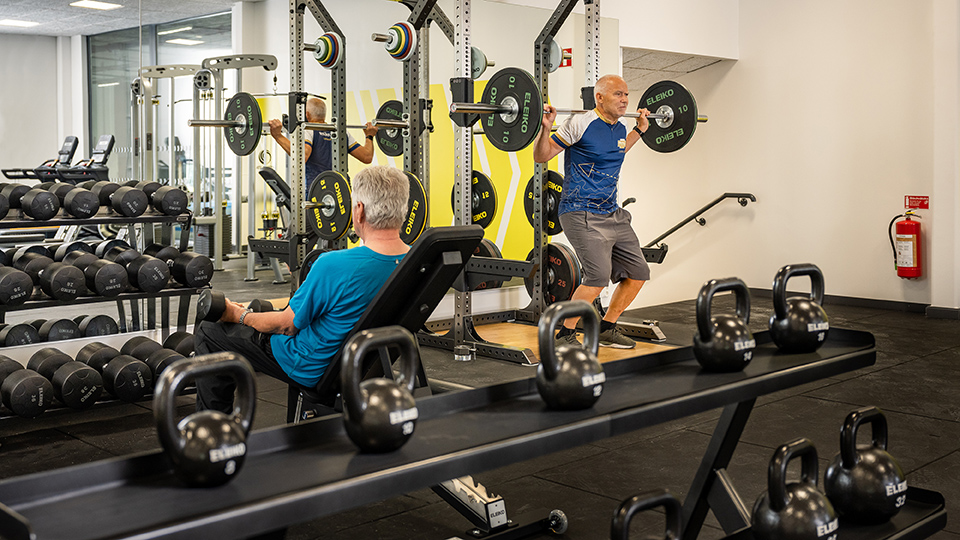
x=300 y=472
x=184 y=293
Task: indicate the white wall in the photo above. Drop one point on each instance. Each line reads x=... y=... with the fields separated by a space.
x=819 y=125
x=28 y=100
x=706 y=28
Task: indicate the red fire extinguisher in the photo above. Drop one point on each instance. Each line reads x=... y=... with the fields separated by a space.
x=906 y=245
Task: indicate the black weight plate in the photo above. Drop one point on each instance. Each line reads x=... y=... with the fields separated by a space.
x=243 y=140
x=551 y=203
x=484 y=194
x=390 y=140
x=487 y=248
x=331 y=188
x=563 y=273
x=308 y=263
x=512 y=86
x=673 y=95
x=416 y=219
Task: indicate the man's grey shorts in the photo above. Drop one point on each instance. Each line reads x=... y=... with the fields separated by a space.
x=606 y=245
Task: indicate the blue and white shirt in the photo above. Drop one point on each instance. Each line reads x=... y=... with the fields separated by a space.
x=594 y=154
x=321 y=155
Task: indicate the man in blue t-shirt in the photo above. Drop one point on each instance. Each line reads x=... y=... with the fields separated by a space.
x=297 y=344
x=318 y=145
x=595 y=143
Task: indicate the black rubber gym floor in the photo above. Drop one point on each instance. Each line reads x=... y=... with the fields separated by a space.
x=916 y=381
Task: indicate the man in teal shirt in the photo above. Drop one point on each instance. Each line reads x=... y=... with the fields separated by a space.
x=297 y=344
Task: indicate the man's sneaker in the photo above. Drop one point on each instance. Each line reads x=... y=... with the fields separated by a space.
x=569 y=339
x=615 y=338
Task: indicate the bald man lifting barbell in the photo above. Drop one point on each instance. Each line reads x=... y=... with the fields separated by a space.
x=595 y=143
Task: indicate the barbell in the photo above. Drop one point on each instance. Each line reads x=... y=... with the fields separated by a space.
x=512 y=106
x=242 y=124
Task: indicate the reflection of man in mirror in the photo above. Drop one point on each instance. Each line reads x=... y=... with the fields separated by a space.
x=318 y=148
x=594 y=144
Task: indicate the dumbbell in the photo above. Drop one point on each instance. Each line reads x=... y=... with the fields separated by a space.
x=124 y=200
x=212 y=304
x=12 y=335
x=36 y=203
x=167 y=200
x=78 y=202
x=149 y=274
x=57 y=280
x=140 y=347
x=161 y=359
x=15 y=286
x=187 y=268
x=102 y=277
x=96 y=325
x=56 y=329
x=125 y=377
x=182 y=342
x=75 y=384
x=23 y=391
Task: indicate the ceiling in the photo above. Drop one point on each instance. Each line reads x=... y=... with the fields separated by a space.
x=58 y=18
x=643 y=67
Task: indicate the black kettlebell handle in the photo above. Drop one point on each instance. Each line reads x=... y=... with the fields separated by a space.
x=620 y=527
x=777 y=473
x=175 y=377
x=549 y=320
x=780 y=285
x=704 y=299
x=356 y=350
x=848 y=434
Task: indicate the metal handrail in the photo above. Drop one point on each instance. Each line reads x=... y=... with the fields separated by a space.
x=742 y=198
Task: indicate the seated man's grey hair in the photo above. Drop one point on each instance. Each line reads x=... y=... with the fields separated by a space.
x=384 y=192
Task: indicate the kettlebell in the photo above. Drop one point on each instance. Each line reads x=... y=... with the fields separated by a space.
x=798 y=324
x=379 y=414
x=569 y=378
x=865 y=483
x=796 y=511
x=620 y=526
x=723 y=343
x=207 y=448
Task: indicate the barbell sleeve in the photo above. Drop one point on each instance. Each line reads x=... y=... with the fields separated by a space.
x=480 y=108
x=652 y=116
x=380 y=38
x=215 y=123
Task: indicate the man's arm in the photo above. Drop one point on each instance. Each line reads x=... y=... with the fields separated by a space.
x=270 y=322
x=277 y=133
x=642 y=124
x=365 y=153
x=544 y=148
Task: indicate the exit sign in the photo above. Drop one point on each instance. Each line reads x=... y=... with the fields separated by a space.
x=916 y=202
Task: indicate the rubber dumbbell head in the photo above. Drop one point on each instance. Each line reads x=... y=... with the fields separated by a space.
x=182 y=342
x=211 y=305
x=77 y=385
x=149 y=274
x=192 y=269
x=98 y=325
x=12 y=335
x=14 y=193
x=148 y=188
x=259 y=305
x=162 y=252
x=4 y=207
x=58 y=280
x=15 y=286
x=23 y=391
x=37 y=249
x=103 y=190
x=129 y=202
x=140 y=347
x=161 y=359
x=40 y=204
x=124 y=376
x=67 y=247
x=79 y=203
x=169 y=200
x=59 y=330
x=103 y=247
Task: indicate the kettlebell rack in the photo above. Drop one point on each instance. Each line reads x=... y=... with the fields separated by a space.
x=299 y=472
